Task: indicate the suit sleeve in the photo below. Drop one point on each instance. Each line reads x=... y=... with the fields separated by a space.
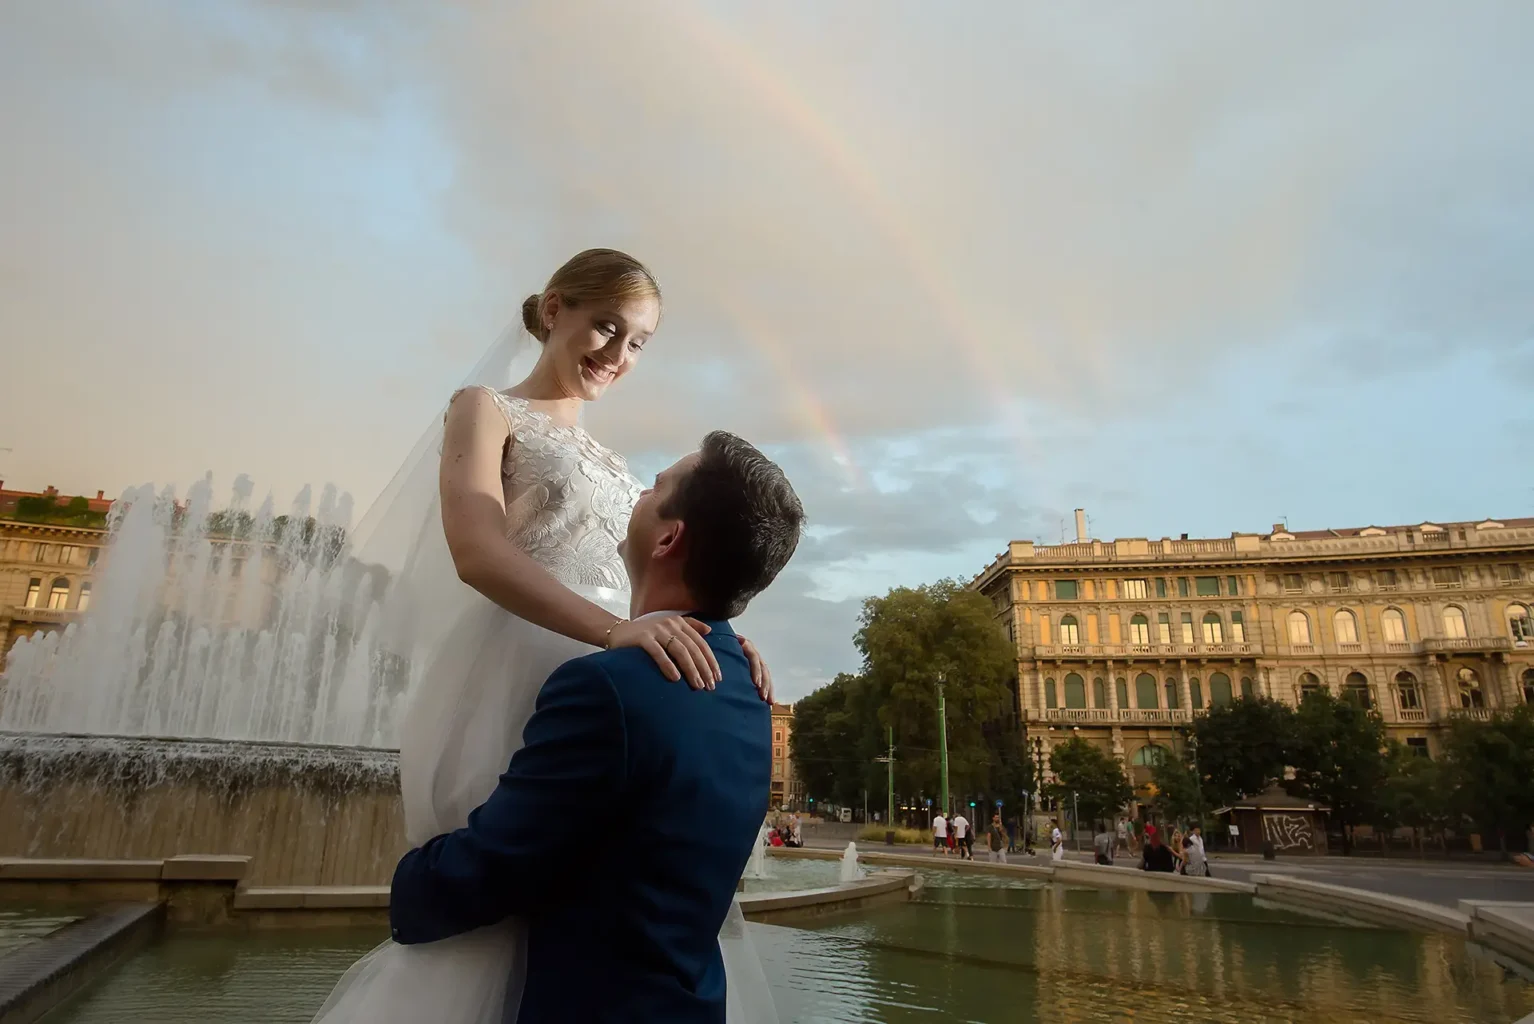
x=515 y=855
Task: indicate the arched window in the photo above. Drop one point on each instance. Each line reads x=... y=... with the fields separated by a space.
x=1049 y=694
x=1151 y=755
x=1248 y=689
x=1454 y=623
x=1070 y=633
x=1214 y=628
x=1075 y=691
x=1139 y=629
x=58 y=597
x=1309 y=683
x=1299 y=628
x=1145 y=691
x=1470 y=695
x=1408 y=693
x=84 y=602
x=1346 y=626
x=1356 y=689
x=1394 y=625
x=1099 y=693
x=1170 y=689
x=1519 y=625
x=1219 y=690
x=1121 y=686
x=1196 y=693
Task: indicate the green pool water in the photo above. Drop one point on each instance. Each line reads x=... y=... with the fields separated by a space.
x=22 y=924
x=973 y=948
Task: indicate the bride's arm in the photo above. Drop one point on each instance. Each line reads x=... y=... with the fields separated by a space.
x=474 y=521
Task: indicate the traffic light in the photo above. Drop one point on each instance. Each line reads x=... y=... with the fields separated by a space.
x=972 y=803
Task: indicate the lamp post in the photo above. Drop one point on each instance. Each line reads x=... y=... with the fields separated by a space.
x=942 y=739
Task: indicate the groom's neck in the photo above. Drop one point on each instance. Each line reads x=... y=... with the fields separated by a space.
x=665 y=594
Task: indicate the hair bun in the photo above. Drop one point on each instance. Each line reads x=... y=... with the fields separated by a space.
x=530 y=318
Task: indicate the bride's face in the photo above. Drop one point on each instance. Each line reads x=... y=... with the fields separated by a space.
x=593 y=344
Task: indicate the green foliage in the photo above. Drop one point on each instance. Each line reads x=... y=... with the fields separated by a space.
x=1490 y=769
x=46 y=509
x=827 y=743
x=1242 y=748
x=1089 y=779
x=1339 y=758
x=1177 y=790
x=1418 y=792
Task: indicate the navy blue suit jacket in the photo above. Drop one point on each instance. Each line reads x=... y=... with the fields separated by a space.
x=619 y=832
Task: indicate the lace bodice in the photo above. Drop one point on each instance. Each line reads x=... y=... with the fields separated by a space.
x=568 y=498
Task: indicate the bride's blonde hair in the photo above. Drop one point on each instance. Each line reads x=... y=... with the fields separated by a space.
x=596 y=275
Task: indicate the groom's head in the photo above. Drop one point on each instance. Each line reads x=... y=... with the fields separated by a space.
x=714 y=530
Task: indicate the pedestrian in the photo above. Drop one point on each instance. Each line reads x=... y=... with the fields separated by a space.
x=1056 y=840
x=963 y=841
x=1195 y=861
x=996 y=838
x=939 y=834
x=1012 y=827
x=1102 y=844
x=1123 y=833
x=1154 y=855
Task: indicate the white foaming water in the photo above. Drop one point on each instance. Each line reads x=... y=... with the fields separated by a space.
x=241 y=627
x=756 y=867
x=850 y=870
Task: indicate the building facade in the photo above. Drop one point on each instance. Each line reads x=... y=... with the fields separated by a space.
x=1123 y=642
x=785 y=789
x=47 y=564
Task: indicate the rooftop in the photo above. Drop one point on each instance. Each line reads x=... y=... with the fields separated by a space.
x=49 y=506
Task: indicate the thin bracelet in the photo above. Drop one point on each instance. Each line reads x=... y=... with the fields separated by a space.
x=607 y=638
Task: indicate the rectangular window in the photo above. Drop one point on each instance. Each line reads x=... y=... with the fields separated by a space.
x=1338 y=582
x=1134 y=590
x=45 y=553
x=1212 y=631
x=1417 y=745
x=34 y=592
x=68 y=554
x=1182 y=586
x=1207 y=586
x=90 y=558
x=1161 y=586
x=1233 y=586
x=1409 y=698
x=777 y=736
x=58 y=598
x=1509 y=574
x=1237 y=628
x=1065 y=590
x=85 y=598
x=777 y=752
x=1294 y=583
x=1447 y=576
x=1187 y=628
x=1163 y=628
x=1387 y=579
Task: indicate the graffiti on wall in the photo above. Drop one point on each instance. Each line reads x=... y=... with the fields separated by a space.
x=1288 y=831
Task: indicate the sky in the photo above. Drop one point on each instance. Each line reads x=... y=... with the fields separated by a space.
x=1194 y=267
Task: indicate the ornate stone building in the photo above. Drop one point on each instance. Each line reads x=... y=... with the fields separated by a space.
x=785 y=785
x=46 y=568
x=1123 y=642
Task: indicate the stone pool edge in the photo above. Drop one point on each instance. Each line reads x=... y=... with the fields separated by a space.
x=41 y=975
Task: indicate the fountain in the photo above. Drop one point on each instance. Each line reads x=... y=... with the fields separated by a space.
x=756 y=867
x=230 y=683
x=850 y=870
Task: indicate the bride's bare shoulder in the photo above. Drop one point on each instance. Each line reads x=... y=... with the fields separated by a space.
x=479 y=408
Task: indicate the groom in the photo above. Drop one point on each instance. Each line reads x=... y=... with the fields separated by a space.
x=626 y=818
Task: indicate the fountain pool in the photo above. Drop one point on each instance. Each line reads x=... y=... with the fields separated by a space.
x=970 y=948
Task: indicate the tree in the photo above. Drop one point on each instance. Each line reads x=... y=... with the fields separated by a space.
x=1491 y=770
x=1243 y=747
x=910 y=639
x=1339 y=758
x=1089 y=779
x=825 y=742
x=1177 y=790
x=1417 y=793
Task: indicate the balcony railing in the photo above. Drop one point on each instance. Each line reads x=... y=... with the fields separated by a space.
x=1467 y=643
x=1412 y=714
x=20 y=613
x=1400 y=647
x=1354 y=648
x=1474 y=714
x=1127 y=652
x=1107 y=716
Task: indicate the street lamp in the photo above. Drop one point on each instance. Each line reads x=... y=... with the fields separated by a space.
x=942 y=737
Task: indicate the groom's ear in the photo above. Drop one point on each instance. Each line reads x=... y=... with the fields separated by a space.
x=672 y=542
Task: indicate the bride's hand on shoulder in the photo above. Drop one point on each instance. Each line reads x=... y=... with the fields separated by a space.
x=676 y=643
x=761 y=675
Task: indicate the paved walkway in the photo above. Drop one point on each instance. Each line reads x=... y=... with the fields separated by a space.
x=1429 y=880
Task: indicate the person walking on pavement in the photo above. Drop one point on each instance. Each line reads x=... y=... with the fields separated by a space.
x=1056 y=840
x=939 y=834
x=1102 y=844
x=962 y=839
x=1123 y=834
x=1196 y=862
x=998 y=841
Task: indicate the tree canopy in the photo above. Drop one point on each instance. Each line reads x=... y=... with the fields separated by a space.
x=1088 y=779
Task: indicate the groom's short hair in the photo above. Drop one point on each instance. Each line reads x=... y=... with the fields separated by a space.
x=742 y=523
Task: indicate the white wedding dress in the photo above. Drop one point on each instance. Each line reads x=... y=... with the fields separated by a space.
x=568 y=501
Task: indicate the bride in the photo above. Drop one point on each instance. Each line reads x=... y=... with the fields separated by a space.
x=512 y=497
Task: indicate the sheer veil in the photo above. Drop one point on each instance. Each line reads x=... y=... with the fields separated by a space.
x=400 y=544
